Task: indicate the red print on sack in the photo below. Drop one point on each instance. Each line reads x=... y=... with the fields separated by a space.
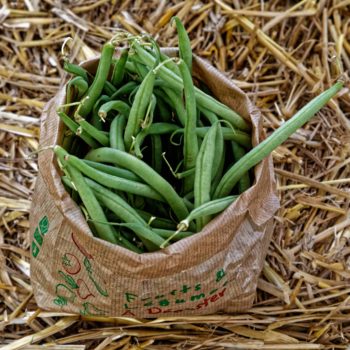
x=80 y=247
x=83 y=290
x=71 y=264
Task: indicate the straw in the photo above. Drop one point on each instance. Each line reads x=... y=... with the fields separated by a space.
x=281 y=54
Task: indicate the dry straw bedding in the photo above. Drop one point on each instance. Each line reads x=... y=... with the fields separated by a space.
x=281 y=53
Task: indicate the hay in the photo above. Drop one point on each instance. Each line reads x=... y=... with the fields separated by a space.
x=281 y=56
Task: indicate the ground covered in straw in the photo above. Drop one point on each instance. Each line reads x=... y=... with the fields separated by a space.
x=281 y=53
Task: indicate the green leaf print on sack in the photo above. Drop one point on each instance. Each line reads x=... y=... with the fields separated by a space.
x=44 y=225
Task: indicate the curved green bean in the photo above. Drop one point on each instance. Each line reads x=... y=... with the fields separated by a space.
x=124 y=90
x=209 y=115
x=96 y=87
x=126 y=213
x=156 y=222
x=207 y=209
x=111 y=181
x=118 y=105
x=91 y=204
x=99 y=218
x=76 y=88
x=113 y=170
x=108 y=88
x=144 y=171
x=95 y=133
x=167 y=234
x=73 y=126
x=95 y=119
x=153 y=129
x=76 y=70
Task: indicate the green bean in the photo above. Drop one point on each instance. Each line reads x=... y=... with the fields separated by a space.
x=207 y=209
x=229 y=135
x=154 y=129
x=209 y=115
x=114 y=170
x=219 y=150
x=202 y=98
x=280 y=135
x=116 y=132
x=95 y=133
x=124 y=90
x=111 y=181
x=155 y=50
x=67 y=139
x=95 y=119
x=189 y=195
x=190 y=150
x=132 y=94
x=176 y=103
x=101 y=220
x=203 y=173
x=119 y=68
x=167 y=234
x=148 y=120
x=76 y=70
x=118 y=105
x=96 y=87
x=164 y=110
x=121 y=210
x=144 y=171
x=161 y=83
x=189 y=204
x=130 y=67
x=138 y=202
x=156 y=153
x=143 y=232
x=138 y=109
x=76 y=146
x=184 y=43
x=218 y=175
x=141 y=70
x=185 y=173
x=94 y=209
x=156 y=222
x=108 y=88
x=170 y=64
x=73 y=126
x=126 y=213
x=76 y=88
x=238 y=153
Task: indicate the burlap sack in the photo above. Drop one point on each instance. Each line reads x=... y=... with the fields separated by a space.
x=215 y=270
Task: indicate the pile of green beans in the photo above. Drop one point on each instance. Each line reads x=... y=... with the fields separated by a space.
x=150 y=157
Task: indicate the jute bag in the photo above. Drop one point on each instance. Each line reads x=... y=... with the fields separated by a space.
x=214 y=270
